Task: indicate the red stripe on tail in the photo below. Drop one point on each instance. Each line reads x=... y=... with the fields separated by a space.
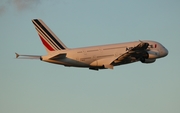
x=46 y=44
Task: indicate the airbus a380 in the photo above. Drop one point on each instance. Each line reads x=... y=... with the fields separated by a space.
x=95 y=57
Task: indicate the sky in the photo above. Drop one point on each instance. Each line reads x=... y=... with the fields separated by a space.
x=32 y=86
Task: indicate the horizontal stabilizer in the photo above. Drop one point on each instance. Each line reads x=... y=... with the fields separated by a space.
x=27 y=56
x=59 y=56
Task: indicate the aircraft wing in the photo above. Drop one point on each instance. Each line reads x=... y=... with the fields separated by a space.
x=141 y=47
x=133 y=54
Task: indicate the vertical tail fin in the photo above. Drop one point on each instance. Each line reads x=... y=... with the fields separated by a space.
x=50 y=41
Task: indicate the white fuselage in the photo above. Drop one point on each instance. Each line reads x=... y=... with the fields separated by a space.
x=97 y=56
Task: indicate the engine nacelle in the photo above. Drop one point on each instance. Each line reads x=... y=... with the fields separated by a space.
x=150 y=57
x=148 y=60
x=152 y=54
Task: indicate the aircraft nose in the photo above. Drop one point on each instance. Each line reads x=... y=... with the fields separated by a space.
x=165 y=52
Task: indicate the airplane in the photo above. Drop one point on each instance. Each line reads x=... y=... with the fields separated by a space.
x=94 y=57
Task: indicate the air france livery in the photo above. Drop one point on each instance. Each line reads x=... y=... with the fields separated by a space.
x=95 y=57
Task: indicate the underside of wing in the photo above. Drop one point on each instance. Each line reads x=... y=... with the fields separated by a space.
x=133 y=55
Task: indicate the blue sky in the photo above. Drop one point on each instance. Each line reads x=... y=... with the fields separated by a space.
x=35 y=86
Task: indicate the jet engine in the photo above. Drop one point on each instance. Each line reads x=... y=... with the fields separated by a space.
x=149 y=57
